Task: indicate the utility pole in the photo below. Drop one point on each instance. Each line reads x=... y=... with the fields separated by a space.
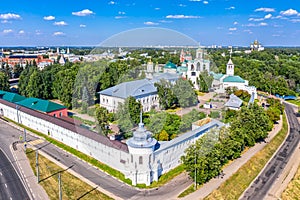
x=59 y=187
x=195 y=171
x=37 y=165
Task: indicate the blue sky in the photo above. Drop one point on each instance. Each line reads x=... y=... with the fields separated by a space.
x=89 y=22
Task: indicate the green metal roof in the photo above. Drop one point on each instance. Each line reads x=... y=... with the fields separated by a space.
x=235 y=79
x=40 y=105
x=11 y=97
x=217 y=76
x=170 y=65
x=182 y=69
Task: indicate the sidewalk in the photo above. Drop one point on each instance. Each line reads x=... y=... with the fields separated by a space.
x=27 y=174
x=213 y=184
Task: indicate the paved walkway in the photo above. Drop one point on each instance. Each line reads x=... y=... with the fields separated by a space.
x=27 y=174
x=213 y=184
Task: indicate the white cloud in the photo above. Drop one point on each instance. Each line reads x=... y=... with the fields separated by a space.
x=58 y=33
x=121 y=13
x=205 y=2
x=150 y=23
x=120 y=17
x=156 y=8
x=38 y=32
x=196 y=0
x=250 y=25
x=262 y=24
x=232 y=29
x=265 y=10
x=165 y=21
x=5 y=22
x=21 y=32
x=295 y=20
x=49 y=18
x=248 y=31
x=255 y=19
x=82 y=25
x=7 y=31
x=10 y=16
x=268 y=16
x=182 y=5
x=230 y=8
x=276 y=35
x=235 y=23
x=182 y=17
x=61 y=23
x=83 y=13
x=112 y=3
x=289 y=12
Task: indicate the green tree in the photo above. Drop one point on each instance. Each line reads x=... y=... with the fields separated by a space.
x=185 y=93
x=165 y=94
x=34 y=85
x=163 y=136
x=4 y=84
x=204 y=81
x=102 y=116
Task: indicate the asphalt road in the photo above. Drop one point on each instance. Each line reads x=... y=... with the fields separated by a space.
x=11 y=186
x=263 y=183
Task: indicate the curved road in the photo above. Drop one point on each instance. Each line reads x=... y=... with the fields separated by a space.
x=10 y=185
x=263 y=183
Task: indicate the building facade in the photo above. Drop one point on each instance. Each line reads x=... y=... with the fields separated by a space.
x=229 y=80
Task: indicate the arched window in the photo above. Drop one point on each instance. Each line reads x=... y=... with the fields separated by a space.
x=192 y=67
x=141 y=160
x=198 y=67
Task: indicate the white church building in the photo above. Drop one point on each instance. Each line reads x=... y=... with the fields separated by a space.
x=191 y=68
x=223 y=81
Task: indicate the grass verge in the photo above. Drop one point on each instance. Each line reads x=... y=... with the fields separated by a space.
x=293 y=189
x=233 y=187
x=188 y=191
x=296 y=102
x=72 y=187
x=113 y=172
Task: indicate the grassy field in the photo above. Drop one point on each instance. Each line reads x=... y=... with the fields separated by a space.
x=238 y=182
x=292 y=192
x=72 y=187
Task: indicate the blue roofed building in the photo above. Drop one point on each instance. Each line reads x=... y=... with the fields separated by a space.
x=142 y=90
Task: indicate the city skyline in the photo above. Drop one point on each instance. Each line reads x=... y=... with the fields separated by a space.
x=89 y=23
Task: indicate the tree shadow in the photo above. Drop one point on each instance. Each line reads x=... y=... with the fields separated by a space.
x=28 y=152
x=88 y=192
x=56 y=173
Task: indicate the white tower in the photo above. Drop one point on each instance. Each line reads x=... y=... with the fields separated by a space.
x=141 y=146
x=230 y=68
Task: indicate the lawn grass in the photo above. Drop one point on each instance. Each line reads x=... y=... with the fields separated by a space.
x=233 y=187
x=296 y=102
x=72 y=187
x=188 y=191
x=293 y=189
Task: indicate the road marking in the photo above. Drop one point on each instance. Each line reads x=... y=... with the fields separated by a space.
x=10 y=198
x=0 y=173
x=5 y=185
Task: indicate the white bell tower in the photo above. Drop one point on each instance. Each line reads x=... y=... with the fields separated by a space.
x=230 y=68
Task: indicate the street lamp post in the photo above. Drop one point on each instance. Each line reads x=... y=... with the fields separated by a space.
x=24 y=131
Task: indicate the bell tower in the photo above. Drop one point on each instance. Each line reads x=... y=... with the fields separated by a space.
x=230 y=68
